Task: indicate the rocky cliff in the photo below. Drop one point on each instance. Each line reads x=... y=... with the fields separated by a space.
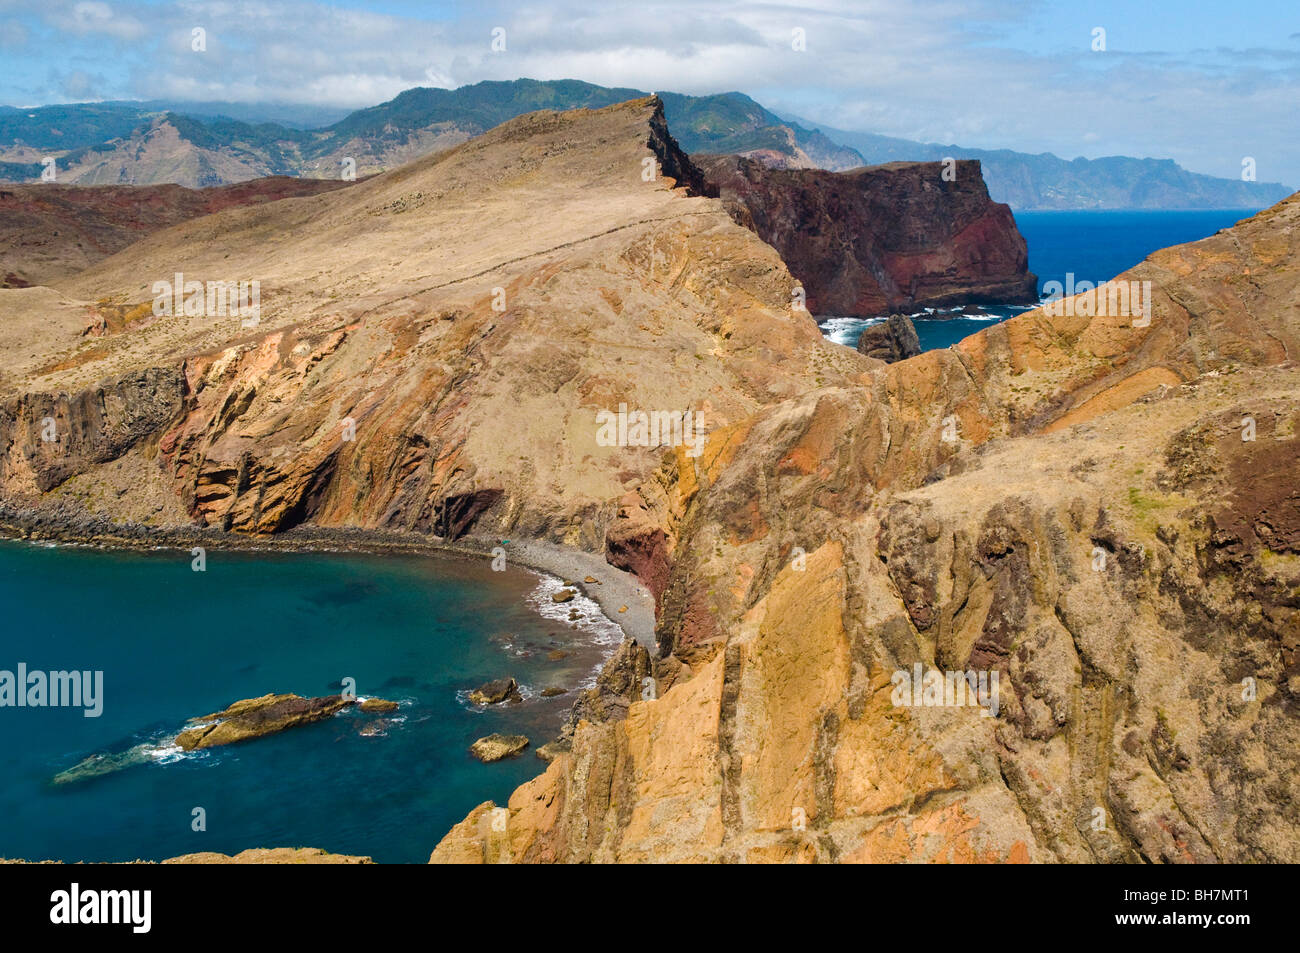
x=881 y=238
x=432 y=348
x=1096 y=506
x=1099 y=509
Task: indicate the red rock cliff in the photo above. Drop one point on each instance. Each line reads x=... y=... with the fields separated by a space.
x=881 y=238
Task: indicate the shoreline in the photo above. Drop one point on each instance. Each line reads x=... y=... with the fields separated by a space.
x=614 y=588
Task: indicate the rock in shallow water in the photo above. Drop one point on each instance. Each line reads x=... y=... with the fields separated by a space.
x=495 y=747
x=892 y=341
x=255 y=717
x=495 y=692
x=266 y=715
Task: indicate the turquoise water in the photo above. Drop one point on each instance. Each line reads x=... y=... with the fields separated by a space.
x=174 y=644
x=1094 y=246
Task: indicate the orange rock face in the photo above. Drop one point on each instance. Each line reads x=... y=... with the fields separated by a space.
x=1060 y=501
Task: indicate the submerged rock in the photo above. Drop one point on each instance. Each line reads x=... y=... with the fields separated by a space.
x=495 y=692
x=496 y=747
x=101 y=764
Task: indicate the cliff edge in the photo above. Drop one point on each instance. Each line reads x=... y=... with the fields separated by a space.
x=883 y=238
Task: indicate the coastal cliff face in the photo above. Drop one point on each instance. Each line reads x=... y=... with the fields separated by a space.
x=432 y=350
x=1098 y=509
x=881 y=238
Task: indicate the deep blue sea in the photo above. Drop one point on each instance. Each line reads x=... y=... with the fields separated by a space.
x=174 y=644
x=1094 y=246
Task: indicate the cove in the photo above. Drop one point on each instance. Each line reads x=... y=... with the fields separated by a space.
x=174 y=644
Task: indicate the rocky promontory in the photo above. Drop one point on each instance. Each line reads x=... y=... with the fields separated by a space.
x=881 y=238
x=1096 y=507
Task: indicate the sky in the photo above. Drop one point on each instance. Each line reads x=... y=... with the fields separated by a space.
x=1207 y=83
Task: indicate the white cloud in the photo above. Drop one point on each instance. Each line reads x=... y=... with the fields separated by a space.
x=94 y=17
x=928 y=69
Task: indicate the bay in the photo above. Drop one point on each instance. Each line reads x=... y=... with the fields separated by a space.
x=174 y=644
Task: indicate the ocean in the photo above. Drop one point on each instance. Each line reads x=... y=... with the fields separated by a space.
x=175 y=644
x=1094 y=246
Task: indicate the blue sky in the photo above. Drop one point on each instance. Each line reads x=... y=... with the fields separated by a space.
x=1205 y=83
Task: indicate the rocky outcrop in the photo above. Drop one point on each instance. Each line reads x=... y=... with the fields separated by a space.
x=881 y=238
x=496 y=747
x=254 y=855
x=256 y=717
x=1060 y=501
x=271 y=855
x=890 y=341
x=623 y=679
x=47 y=438
x=495 y=692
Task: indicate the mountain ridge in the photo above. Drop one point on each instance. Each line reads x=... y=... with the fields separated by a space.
x=1044 y=181
x=120 y=143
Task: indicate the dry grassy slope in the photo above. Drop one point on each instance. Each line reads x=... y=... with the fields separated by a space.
x=50 y=231
x=1124 y=734
x=377 y=305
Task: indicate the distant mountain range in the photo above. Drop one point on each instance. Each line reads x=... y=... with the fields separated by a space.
x=209 y=144
x=1046 y=181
